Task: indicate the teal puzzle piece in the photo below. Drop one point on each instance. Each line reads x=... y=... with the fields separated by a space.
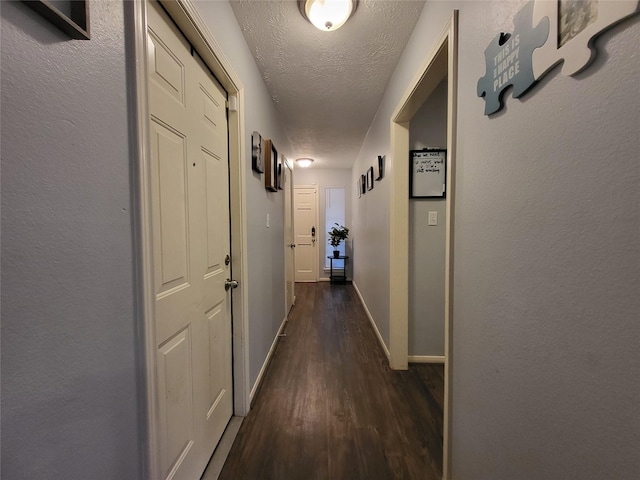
x=509 y=60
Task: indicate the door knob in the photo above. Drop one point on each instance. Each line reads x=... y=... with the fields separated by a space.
x=228 y=283
x=293 y=245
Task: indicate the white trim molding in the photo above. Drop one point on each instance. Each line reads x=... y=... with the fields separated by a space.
x=373 y=323
x=265 y=365
x=426 y=359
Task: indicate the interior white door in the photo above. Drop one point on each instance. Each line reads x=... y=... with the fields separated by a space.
x=190 y=215
x=289 y=238
x=305 y=205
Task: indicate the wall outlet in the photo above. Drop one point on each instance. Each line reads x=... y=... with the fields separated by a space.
x=433 y=218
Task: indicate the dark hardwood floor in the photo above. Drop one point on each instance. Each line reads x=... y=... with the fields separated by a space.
x=331 y=408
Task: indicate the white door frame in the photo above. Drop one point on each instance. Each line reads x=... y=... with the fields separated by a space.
x=189 y=21
x=290 y=240
x=441 y=63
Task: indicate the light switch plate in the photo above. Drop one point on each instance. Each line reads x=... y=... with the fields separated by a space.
x=433 y=218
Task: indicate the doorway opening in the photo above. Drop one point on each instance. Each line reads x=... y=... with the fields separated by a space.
x=441 y=64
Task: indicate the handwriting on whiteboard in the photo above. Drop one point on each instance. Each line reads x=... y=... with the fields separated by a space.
x=428 y=162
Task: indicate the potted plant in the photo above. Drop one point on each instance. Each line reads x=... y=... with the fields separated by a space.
x=336 y=235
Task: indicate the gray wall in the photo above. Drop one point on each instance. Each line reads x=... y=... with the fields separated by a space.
x=428 y=128
x=324 y=178
x=545 y=357
x=69 y=387
x=265 y=245
x=69 y=376
x=370 y=220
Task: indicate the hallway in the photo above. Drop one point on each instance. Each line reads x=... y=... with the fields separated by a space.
x=330 y=407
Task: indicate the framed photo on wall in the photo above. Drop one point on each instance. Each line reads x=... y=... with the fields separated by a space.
x=370 y=178
x=363 y=184
x=70 y=16
x=270 y=166
x=279 y=174
x=257 y=155
x=381 y=159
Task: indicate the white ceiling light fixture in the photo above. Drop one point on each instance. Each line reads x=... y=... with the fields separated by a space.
x=327 y=15
x=304 y=162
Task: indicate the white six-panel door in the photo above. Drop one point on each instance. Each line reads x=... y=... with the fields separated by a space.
x=305 y=205
x=190 y=216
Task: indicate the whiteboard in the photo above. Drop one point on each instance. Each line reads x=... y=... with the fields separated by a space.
x=428 y=173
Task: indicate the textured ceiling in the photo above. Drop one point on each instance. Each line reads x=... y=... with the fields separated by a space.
x=326 y=85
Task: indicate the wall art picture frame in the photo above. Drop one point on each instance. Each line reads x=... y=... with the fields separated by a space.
x=370 y=180
x=363 y=184
x=270 y=166
x=381 y=159
x=428 y=173
x=359 y=186
x=257 y=155
x=279 y=173
x=70 y=16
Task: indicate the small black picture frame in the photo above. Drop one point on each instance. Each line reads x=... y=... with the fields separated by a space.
x=270 y=166
x=363 y=184
x=279 y=177
x=428 y=173
x=370 y=178
x=70 y=16
x=381 y=159
x=257 y=156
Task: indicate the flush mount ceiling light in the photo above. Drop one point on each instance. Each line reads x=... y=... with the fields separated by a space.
x=304 y=162
x=327 y=15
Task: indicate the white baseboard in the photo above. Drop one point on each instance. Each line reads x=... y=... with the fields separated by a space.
x=256 y=385
x=214 y=469
x=373 y=324
x=327 y=279
x=426 y=359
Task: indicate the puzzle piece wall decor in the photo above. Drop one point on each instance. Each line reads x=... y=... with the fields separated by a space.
x=509 y=60
x=546 y=33
x=574 y=28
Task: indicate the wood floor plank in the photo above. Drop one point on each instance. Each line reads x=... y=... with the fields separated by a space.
x=331 y=408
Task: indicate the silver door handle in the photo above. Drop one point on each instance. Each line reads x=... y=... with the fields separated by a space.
x=228 y=283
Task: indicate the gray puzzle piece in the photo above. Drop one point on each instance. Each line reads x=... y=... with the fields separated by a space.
x=509 y=60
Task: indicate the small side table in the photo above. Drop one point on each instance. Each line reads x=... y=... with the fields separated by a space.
x=338 y=278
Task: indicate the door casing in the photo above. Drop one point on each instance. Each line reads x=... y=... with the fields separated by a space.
x=184 y=14
x=440 y=63
x=289 y=237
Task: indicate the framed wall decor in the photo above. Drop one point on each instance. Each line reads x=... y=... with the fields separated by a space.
x=370 y=178
x=70 y=16
x=270 y=166
x=428 y=173
x=359 y=186
x=381 y=159
x=279 y=176
x=363 y=184
x=257 y=155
